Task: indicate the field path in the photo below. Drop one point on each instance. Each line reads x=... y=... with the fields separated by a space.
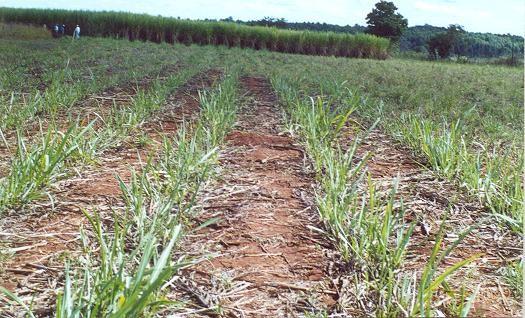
x=268 y=263
x=426 y=199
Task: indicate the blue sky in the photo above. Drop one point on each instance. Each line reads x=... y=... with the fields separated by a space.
x=503 y=16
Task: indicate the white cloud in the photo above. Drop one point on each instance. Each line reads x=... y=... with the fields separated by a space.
x=437 y=8
x=449 y=9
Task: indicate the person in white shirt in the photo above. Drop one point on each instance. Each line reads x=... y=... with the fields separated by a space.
x=76 y=33
x=55 y=31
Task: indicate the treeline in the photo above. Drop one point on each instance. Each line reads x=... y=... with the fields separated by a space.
x=163 y=29
x=471 y=44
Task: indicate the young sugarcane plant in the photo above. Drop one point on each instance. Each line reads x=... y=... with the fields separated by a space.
x=416 y=297
x=38 y=165
x=118 y=282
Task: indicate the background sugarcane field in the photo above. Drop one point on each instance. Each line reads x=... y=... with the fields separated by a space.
x=167 y=167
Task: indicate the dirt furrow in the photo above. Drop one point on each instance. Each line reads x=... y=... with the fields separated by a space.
x=41 y=236
x=267 y=263
x=427 y=199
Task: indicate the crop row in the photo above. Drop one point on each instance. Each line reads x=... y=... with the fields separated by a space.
x=473 y=144
x=135 y=259
x=162 y=29
x=39 y=164
x=134 y=255
x=368 y=231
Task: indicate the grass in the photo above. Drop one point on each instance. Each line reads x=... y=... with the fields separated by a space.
x=97 y=64
x=433 y=277
x=514 y=277
x=487 y=99
x=69 y=75
x=23 y=32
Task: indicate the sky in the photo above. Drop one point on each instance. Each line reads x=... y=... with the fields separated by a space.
x=503 y=16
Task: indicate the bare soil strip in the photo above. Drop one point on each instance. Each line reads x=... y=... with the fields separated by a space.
x=40 y=237
x=267 y=262
x=426 y=199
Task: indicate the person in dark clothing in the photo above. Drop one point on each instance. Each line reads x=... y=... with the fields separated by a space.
x=61 y=29
x=54 y=30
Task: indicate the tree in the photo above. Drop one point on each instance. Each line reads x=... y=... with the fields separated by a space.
x=445 y=43
x=270 y=22
x=385 y=22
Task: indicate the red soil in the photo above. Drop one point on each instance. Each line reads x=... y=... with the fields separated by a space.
x=263 y=198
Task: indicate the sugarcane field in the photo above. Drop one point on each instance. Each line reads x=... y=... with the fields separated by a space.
x=178 y=164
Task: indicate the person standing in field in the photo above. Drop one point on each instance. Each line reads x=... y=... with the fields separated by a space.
x=55 y=31
x=76 y=33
